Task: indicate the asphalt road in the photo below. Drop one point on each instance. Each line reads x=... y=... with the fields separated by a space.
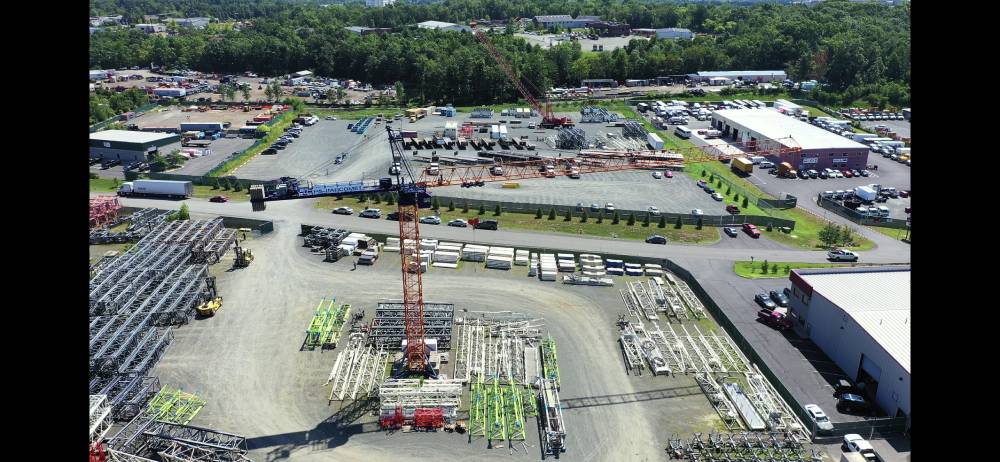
x=296 y=212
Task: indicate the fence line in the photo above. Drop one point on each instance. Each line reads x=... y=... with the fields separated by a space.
x=671 y=218
x=117 y=118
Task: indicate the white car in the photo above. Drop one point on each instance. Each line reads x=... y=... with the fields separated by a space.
x=609 y=207
x=458 y=222
x=717 y=196
x=343 y=211
x=431 y=220
x=819 y=417
x=855 y=443
x=330 y=118
x=657 y=175
x=842 y=255
x=697 y=212
x=653 y=211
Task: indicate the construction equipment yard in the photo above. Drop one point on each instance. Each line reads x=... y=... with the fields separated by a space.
x=248 y=364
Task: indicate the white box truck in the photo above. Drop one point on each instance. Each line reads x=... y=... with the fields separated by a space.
x=865 y=193
x=861 y=137
x=157 y=188
x=654 y=141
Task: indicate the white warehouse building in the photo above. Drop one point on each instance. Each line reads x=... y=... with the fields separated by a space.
x=860 y=317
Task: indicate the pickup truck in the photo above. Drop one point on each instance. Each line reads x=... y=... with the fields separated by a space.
x=855 y=443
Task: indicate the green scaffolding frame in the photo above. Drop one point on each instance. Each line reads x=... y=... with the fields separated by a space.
x=496 y=416
x=515 y=413
x=478 y=409
x=334 y=324
x=550 y=362
x=174 y=405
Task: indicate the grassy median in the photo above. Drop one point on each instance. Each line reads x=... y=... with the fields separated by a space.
x=688 y=234
x=776 y=269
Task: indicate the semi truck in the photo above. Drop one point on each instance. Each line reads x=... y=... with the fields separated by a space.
x=654 y=141
x=156 y=188
x=785 y=170
x=742 y=165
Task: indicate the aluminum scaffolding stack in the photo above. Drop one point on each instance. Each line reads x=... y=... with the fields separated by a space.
x=597 y=114
x=773 y=408
x=140 y=223
x=637 y=292
x=673 y=360
x=750 y=416
x=633 y=129
x=357 y=371
x=129 y=394
x=100 y=417
x=673 y=305
x=571 y=138
x=177 y=451
x=631 y=347
x=692 y=301
x=225 y=447
x=388 y=327
x=211 y=250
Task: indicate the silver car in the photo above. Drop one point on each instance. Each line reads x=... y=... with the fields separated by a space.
x=431 y=220
x=819 y=417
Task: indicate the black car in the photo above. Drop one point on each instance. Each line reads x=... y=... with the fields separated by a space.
x=656 y=239
x=709 y=189
x=778 y=298
x=394 y=216
x=851 y=403
x=488 y=224
x=824 y=174
x=269 y=151
x=763 y=300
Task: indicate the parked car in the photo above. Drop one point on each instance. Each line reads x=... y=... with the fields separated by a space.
x=394 y=216
x=751 y=230
x=579 y=206
x=459 y=223
x=697 y=212
x=778 y=298
x=343 y=211
x=904 y=193
x=656 y=239
x=653 y=211
x=856 y=173
x=842 y=255
x=431 y=220
x=865 y=173
x=595 y=208
x=668 y=174
x=330 y=118
x=488 y=224
x=219 y=199
x=733 y=209
x=824 y=174
x=269 y=151
x=851 y=403
x=766 y=164
x=847 y=173
x=370 y=213
x=812 y=173
x=657 y=175
x=610 y=207
x=731 y=231
x=717 y=197
x=855 y=443
x=775 y=319
x=823 y=424
x=709 y=189
x=702 y=184
x=764 y=301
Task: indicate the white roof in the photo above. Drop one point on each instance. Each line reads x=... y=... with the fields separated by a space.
x=877 y=299
x=127 y=136
x=774 y=125
x=435 y=24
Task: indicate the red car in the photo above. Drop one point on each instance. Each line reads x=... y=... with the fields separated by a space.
x=751 y=230
x=668 y=174
x=774 y=319
x=219 y=199
x=847 y=173
x=904 y=193
x=733 y=209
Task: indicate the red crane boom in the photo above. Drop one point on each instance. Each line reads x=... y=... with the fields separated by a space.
x=549 y=120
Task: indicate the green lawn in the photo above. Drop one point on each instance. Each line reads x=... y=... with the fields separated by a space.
x=107 y=185
x=897 y=234
x=746 y=269
x=688 y=234
x=275 y=132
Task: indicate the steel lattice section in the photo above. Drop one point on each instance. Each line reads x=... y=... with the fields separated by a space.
x=413 y=296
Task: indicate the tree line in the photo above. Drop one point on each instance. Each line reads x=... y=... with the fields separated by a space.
x=105 y=104
x=862 y=50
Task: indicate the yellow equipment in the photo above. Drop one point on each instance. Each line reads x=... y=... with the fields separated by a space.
x=243 y=257
x=209 y=307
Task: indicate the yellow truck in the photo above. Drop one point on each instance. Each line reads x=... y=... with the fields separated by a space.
x=742 y=165
x=785 y=170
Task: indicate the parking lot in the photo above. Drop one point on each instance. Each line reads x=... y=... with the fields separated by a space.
x=173 y=116
x=312 y=155
x=221 y=148
x=546 y=41
x=901 y=127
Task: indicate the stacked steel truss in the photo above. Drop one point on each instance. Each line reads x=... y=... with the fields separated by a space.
x=633 y=129
x=554 y=430
x=571 y=138
x=692 y=301
x=103 y=210
x=322 y=238
x=144 y=434
x=327 y=322
x=177 y=451
x=481 y=113
x=668 y=301
x=637 y=296
x=140 y=223
x=550 y=360
x=357 y=371
x=212 y=249
x=100 y=417
x=495 y=345
x=719 y=400
x=136 y=298
x=597 y=114
x=388 y=326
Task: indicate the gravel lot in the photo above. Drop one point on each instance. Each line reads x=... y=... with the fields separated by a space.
x=901 y=127
x=221 y=149
x=246 y=362
x=172 y=116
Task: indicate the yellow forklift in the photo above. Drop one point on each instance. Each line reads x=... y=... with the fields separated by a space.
x=210 y=306
x=243 y=257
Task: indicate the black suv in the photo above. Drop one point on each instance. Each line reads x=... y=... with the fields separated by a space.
x=488 y=224
x=851 y=403
x=269 y=151
x=779 y=298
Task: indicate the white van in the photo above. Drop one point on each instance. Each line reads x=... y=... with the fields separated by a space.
x=883 y=211
x=757 y=159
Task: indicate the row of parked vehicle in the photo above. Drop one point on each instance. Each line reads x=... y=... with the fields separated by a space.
x=427 y=220
x=833 y=173
x=291 y=133
x=857 y=114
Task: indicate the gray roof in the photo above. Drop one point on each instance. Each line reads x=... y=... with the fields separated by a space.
x=734 y=74
x=788 y=131
x=877 y=298
x=554 y=18
x=674 y=29
x=127 y=136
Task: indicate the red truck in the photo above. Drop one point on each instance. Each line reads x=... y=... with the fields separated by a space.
x=751 y=230
x=774 y=319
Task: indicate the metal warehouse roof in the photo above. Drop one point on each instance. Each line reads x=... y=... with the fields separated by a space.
x=435 y=24
x=554 y=18
x=877 y=299
x=774 y=125
x=126 y=136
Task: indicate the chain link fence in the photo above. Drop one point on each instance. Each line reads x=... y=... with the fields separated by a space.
x=118 y=118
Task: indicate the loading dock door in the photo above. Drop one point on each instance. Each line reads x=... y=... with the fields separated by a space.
x=868 y=377
x=871 y=368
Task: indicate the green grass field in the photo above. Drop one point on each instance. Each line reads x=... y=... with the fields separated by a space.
x=688 y=234
x=106 y=185
x=746 y=269
x=897 y=234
